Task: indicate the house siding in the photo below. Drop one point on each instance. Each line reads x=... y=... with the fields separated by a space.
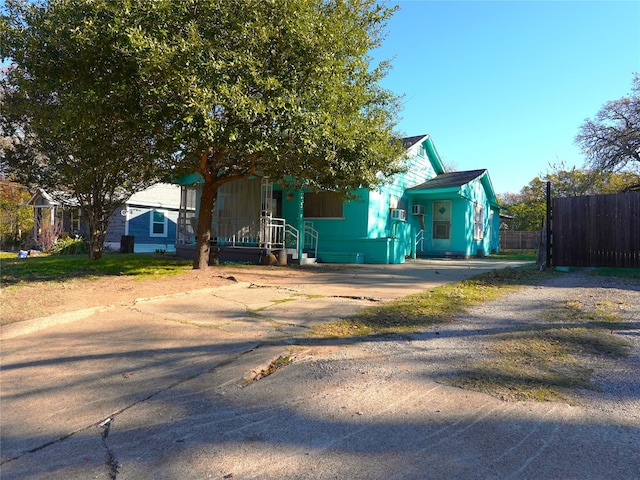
x=116 y=228
x=124 y=219
x=139 y=226
x=367 y=231
x=473 y=195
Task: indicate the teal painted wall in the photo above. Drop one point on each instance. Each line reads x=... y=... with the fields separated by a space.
x=495 y=230
x=474 y=194
x=463 y=212
x=367 y=227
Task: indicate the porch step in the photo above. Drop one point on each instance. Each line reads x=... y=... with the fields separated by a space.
x=292 y=254
x=307 y=260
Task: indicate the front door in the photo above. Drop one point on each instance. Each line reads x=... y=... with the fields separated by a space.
x=441 y=228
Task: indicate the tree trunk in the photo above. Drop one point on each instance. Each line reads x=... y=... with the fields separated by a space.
x=97 y=233
x=96 y=245
x=205 y=216
x=96 y=227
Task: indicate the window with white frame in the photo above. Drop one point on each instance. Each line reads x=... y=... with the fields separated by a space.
x=478 y=227
x=158 y=227
x=74 y=223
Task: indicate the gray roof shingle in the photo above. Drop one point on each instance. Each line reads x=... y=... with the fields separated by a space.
x=410 y=141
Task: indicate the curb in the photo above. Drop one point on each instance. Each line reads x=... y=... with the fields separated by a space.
x=29 y=326
x=26 y=327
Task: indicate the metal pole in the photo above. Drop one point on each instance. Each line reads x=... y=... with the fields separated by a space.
x=549 y=232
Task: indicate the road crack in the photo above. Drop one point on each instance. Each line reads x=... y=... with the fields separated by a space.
x=111 y=462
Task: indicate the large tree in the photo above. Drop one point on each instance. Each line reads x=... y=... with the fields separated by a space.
x=282 y=88
x=71 y=113
x=611 y=141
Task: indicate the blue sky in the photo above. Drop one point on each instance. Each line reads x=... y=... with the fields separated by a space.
x=505 y=85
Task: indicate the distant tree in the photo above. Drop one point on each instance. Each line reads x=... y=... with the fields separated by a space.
x=528 y=208
x=16 y=217
x=71 y=116
x=611 y=141
x=618 y=182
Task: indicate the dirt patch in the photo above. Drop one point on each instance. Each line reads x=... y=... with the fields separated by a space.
x=589 y=354
x=30 y=300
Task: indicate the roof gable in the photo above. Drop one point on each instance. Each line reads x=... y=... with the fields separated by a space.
x=412 y=146
x=408 y=142
x=53 y=199
x=454 y=181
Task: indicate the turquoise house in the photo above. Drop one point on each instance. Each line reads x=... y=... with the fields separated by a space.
x=424 y=211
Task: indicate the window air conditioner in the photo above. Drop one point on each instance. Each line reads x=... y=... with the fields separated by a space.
x=417 y=209
x=398 y=214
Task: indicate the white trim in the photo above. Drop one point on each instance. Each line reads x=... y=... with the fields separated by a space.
x=143 y=204
x=127 y=217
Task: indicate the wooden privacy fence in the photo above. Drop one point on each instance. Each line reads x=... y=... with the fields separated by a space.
x=596 y=231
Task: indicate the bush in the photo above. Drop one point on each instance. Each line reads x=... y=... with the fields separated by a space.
x=69 y=246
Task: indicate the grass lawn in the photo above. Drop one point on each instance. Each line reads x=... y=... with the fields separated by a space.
x=44 y=267
x=522 y=255
x=416 y=312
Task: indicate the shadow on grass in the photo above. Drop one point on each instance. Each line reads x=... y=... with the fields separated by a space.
x=543 y=362
x=48 y=268
x=435 y=306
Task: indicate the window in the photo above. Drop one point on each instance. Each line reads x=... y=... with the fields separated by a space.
x=158 y=223
x=74 y=225
x=441 y=230
x=323 y=205
x=478 y=227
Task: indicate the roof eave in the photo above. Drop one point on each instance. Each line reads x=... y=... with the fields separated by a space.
x=434 y=191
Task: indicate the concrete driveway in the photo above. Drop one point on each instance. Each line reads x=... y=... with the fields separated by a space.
x=163 y=390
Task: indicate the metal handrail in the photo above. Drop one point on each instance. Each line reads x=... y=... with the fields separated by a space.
x=275 y=233
x=310 y=239
x=420 y=241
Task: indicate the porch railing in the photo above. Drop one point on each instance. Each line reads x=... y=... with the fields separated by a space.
x=272 y=233
x=420 y=241
x=310 y=238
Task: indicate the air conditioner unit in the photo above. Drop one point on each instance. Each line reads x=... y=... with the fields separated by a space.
x=398 y=214
x=417 y=209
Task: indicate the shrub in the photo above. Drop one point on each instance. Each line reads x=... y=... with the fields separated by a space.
x=69 y=246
